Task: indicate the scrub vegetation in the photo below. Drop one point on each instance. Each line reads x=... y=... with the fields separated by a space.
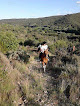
x=22 y=81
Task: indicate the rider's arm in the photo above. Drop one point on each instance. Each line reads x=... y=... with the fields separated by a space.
x=38 y=49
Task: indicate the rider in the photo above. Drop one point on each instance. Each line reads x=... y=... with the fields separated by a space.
x=73 y=49
x=42 y=47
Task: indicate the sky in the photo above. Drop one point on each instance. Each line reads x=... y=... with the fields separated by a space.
x=11 y=9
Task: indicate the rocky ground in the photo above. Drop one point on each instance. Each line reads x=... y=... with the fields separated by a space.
x=61 y=82
x=58 y=86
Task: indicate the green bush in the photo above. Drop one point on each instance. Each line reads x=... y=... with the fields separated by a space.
x=61 y=44
x=8 y=41
x=52 y=48
x=58 y=44
x=31 y=42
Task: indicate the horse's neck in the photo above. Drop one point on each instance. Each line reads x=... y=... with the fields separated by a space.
x=46 y=52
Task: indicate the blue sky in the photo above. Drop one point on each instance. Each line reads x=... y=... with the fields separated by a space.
x=37 y=8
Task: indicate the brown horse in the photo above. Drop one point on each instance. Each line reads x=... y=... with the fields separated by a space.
x=44 y=59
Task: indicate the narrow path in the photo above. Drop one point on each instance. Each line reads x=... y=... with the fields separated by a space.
x=49 y=96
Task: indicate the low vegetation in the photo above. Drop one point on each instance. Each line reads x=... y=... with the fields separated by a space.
x=22 y=81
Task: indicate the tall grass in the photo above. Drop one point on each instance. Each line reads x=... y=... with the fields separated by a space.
x=6 y=86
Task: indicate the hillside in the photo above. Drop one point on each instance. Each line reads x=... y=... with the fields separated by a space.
x=28 y=85
x=32 y=21
x=70 y=19
x=22 y=79
x=73 y=19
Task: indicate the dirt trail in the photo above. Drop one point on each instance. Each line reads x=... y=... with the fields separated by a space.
x=49 y=96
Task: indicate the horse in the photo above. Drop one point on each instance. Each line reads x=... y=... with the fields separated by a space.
x=44 y=59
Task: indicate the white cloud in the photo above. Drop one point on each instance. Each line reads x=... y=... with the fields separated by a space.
x=78 y=2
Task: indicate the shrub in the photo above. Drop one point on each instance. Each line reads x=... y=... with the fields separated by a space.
x=58 y=44
x=31 y=42
x=8 y=42
x=19 y=55
x=61 y=44
x=52 y=48
x=28 y=42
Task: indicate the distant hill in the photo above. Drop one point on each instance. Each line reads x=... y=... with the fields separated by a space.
x=70 y=19
x=62 y=20
x=31 y=21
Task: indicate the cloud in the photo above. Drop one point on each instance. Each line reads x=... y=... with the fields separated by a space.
x=78 y=2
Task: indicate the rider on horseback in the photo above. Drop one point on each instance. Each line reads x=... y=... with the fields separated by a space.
x=42 y=48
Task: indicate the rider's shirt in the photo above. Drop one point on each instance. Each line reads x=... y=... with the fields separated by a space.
x=43 y=48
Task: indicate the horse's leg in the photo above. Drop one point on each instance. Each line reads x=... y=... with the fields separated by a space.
x=44 y=66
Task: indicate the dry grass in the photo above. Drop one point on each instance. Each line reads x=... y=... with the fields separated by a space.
x=5 y=63
x=30 y=82
x=8 y=83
